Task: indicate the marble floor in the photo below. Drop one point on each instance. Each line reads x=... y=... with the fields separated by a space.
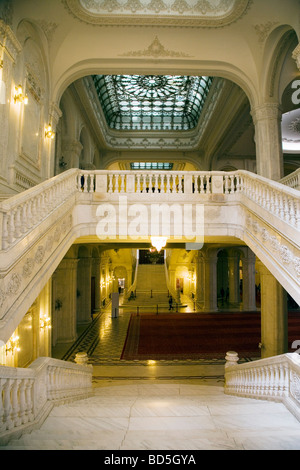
x=156 y=405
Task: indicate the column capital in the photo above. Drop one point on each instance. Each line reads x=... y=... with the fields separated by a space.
x=267 y=111
x=296 y=55
x=72 y=145
x=55 y=114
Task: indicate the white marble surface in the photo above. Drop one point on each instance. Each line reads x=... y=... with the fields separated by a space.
x=165 y=416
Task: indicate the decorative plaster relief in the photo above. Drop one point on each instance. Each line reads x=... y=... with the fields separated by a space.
x=263 y=30
x=26 y=269
x=198 y=13
x=283 y=253
x=156 y=49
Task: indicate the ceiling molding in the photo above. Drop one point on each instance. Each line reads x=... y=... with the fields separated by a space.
x=180 y=13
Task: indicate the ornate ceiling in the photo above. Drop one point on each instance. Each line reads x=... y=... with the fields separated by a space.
x=197 y=13
x=152 y=102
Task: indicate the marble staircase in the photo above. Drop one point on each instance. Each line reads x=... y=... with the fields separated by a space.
x=189 y=415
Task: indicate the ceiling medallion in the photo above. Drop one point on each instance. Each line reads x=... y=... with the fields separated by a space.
x=194 y=13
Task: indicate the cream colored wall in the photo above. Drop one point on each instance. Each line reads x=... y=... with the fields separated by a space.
x=32 y=338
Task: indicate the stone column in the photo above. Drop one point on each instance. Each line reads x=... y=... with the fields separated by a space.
x=199 y=263
x=210 y=282
x=274 y=324
x=233 y=279
x=96 y=273
x=249 y=300
x=84 y=286
x=268 y=139
x=64 y=301
x=71 y=152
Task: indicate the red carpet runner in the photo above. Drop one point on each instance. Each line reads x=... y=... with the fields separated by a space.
x=197 y=336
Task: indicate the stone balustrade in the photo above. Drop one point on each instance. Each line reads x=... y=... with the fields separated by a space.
x=283 y=202
x=38 y=226
x=21 y=213
x=292 y=180
x=27 y=395
x=276 y=378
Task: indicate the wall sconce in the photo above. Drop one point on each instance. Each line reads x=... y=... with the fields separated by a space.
x=49 y=132
x=19 y=95
x=45 y=322
x=12 y=345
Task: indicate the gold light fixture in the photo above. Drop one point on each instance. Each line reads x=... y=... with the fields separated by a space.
x=45 y=322
x=49 y=132
x=158 y=242
x=19 y=96
x=12 y=345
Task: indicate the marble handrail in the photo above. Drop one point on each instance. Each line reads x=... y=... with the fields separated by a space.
x=27 y=395
x=276 y=378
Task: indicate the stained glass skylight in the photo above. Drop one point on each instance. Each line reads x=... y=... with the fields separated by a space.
x=152 y=102
x=151 y=166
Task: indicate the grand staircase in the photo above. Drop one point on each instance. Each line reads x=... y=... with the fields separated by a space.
x=39 y=226
x=151 y=287
x=164 y=416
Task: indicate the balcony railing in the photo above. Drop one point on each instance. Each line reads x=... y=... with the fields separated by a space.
x=276 y=378
x=27 y=395
x=21 y=213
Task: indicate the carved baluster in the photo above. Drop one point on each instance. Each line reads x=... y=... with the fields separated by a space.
x=15 y=414
x=202 y=184
x=173 y=185
x=110 y=183
x=11 y=227
x=292 y=213
x=85 y=186
x=180 y=183
x=122 y=183
x=156 y=177
x=226 y=184
x=92 y=182
x=138 y=184
x=208 y=184
x=144 y=183
x=17 y=222
x=7 y=408
x=29 y=399
x=168 y=189
x=23 y=415
x=5 y=231
x=2 y=422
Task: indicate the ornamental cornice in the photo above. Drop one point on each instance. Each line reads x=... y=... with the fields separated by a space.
x=8 y=41
x=178 y=13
